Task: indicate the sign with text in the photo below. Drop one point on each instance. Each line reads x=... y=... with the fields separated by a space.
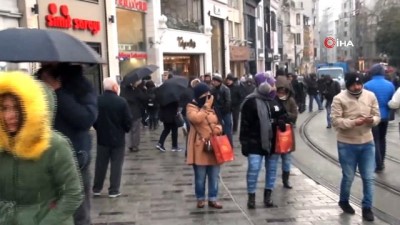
x=64 y=20
x=132 y=55
x=185 y=44
x=137 y=5
x=239 y=53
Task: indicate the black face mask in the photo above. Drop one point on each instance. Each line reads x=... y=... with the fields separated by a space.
x=202 y=101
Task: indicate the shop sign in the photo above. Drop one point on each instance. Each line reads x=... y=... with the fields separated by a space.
x=132 y=55
x=239 y=53
x=184 y=44
x=64 y=21
x=137 y=5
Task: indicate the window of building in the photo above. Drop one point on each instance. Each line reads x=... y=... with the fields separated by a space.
x=273 y=21
x=301 y=5
x=345 y=33
x=315 y=52
x=231 y=31
x=344 y=5
x=298 y=39
x=306 y=22
x=315 y=20
x=280 y=33
x=345 y=24
x=298 y=19
x=345 y=53
x=234 y=4
x=237 y=30
x=344 y=15
x=183 y=15
x=131 y=38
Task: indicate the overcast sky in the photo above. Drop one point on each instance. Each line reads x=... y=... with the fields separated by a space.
x=335 y=4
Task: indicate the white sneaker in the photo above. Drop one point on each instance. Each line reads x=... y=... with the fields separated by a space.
x=161 y=148
x=114 y=195
x=96 y=194
x=176 y=149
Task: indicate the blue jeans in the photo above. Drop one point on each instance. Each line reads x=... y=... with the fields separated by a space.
x=200 y=174
x=254 y=163
x=227 y=126
x=310 y=103
x=273 y=166
x=363 y=156
x=328 y=108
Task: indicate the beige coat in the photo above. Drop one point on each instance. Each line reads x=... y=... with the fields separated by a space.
x=202 y=124
x=346 y=109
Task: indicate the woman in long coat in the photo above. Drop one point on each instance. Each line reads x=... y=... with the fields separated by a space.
x=204 y=122
x=39 y=178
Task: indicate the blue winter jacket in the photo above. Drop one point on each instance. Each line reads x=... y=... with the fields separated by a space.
x=383 y=90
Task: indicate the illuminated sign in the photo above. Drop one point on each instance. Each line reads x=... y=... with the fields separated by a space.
x=64 y=21
x=137 y=5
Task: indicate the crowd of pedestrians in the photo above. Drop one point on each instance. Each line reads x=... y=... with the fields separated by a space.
x=41 y=138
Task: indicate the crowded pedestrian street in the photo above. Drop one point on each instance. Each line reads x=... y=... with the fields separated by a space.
x=158 y=189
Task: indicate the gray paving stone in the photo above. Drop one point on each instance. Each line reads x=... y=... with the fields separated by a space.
x=158 y=190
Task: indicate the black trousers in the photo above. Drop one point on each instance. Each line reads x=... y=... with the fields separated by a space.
x=169 y=127
x=379 y=133
x=114 y=156
x=82 y=214
x=235 y=118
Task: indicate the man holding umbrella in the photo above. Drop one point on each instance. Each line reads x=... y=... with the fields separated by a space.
x=137 y=99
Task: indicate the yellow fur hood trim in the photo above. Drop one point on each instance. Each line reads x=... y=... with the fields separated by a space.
x=33 y=138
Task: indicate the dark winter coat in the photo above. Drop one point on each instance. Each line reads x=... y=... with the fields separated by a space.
x=186 y=98
x=136 y=99
x=289 y=104
x=312 y=86
x=237 y=95
x=167 y=113
x=222 y=100
x=115 y=119
x=250 y=132
x=75 y=116
x=332 y=88
x=152 y=105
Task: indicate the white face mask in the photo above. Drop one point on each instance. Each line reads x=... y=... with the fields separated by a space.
x=283 y=98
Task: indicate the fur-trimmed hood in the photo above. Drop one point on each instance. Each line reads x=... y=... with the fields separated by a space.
x=33 y=138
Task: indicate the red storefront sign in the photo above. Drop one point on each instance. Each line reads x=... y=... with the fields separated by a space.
x=132 y=55
x=66 y=22
x=138 y=5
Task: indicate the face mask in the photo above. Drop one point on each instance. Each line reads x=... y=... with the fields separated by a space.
x=283 y=98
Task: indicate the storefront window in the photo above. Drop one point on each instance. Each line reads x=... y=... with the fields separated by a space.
x=217 y=46
x=131 y=39
x=186 y=65
x=183 y=14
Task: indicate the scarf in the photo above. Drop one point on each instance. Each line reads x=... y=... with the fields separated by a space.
x=264 y=118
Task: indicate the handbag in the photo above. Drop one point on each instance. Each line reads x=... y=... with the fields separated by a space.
x=222 y=148
x=284 y=140
x=179 y=121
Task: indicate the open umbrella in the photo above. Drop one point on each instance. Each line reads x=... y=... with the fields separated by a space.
x=138 y=74
x=171 y=90
x=33 y=45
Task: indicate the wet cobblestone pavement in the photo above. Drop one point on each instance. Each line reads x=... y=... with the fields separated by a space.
x=157 y=189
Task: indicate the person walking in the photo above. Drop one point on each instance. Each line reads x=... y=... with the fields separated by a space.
x=39 y=178
x=222 y=104
x=115 y=119
x=137 y=99
x=332 y=88
x=168 y=115
x=204 y=123
x=260 y=117
x=313 y=92
x=383 y=90
x=236 y=99
x=75 y=115
x=152 y=105
x=354 y=112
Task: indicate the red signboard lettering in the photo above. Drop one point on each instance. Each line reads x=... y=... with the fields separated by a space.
x=66 y=22
x=129 y=55
x=138 y=5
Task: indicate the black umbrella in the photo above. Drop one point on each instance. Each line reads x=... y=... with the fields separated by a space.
x=33 y=45
x=138 y=74
x=171 y=90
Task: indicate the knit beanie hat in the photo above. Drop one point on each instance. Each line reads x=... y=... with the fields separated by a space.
x=352 y=78
x=200 y=89
x=217 y=77
x=260 y=78
x=377 y=70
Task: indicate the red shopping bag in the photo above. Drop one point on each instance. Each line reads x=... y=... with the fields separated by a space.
x=222 y=148
x=284 y=140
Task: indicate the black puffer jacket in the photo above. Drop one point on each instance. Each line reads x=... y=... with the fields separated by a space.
x=250 y=131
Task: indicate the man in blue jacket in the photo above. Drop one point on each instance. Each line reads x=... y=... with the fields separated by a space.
x=383 y=90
